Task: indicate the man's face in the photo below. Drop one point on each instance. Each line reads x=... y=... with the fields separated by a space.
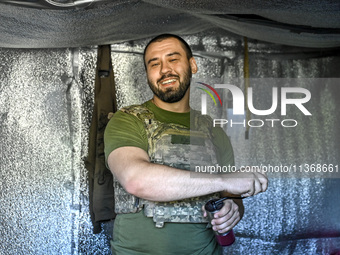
x=168 y=69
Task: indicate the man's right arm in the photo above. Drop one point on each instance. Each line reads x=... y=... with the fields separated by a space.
x=140 y=177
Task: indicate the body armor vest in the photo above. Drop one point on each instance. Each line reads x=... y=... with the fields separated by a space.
x=176 y=146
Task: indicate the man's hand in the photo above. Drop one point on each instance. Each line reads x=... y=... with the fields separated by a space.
x=226 y=218
x=246 y=184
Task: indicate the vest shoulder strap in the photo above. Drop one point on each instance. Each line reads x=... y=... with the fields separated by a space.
x=139 y=111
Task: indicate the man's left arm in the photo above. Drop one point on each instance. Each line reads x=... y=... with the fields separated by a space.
x=232 y=211
x=229 y=215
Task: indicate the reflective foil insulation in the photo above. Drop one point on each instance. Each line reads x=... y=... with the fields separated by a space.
x=46 y=101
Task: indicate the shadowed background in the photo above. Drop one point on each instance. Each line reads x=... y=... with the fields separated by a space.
x=48 y=60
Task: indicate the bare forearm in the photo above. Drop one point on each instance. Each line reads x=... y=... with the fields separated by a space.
x=156 y=182
x=159 y=182
x=162 y=183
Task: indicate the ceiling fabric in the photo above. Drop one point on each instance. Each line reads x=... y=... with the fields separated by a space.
x=40 y=24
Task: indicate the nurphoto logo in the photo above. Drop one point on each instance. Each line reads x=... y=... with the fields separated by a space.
x=289 y=96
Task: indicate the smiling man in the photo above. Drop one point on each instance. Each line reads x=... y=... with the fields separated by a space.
x=169 y=74
x=158 y=202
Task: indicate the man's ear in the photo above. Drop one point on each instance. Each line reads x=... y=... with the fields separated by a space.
x=193 y=65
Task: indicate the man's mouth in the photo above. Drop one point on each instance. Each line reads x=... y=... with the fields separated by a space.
x=168 y=82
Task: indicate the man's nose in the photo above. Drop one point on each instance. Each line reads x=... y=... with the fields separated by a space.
x=165 y=68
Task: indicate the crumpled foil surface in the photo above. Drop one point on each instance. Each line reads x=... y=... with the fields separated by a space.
x=312 y=23
x=46 y=100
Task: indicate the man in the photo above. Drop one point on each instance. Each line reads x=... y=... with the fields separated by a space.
x=148 y=220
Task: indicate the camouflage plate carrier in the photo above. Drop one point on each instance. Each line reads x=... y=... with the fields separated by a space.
x=176 y=146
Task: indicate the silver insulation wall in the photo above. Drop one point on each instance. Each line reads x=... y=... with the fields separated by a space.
x=46 y=100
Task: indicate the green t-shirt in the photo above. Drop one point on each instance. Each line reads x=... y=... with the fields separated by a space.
x=135 y=233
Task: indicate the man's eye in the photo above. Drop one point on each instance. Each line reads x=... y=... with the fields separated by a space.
x=154 y=64
x=173 y=60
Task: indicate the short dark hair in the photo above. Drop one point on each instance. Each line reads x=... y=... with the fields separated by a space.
x=162 y=37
